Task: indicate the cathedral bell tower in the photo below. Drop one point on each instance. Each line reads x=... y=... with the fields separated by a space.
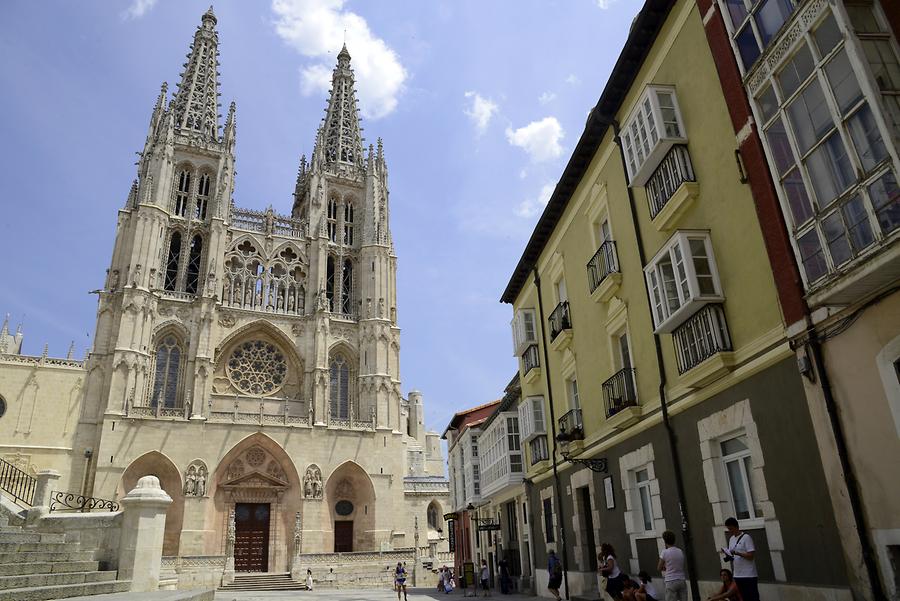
x=342 y=192
x=169 y=233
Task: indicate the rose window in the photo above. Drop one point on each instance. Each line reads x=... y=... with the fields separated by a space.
x=257 y=367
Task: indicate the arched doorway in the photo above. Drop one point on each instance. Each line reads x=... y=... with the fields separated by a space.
x=350 y=496
x=156 y=464
x=258 y=481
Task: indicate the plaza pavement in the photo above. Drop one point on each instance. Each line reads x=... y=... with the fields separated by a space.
x=419 y=594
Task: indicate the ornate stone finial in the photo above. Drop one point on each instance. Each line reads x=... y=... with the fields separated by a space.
x=196 y=103
x=46 y=351
x=5 y=330
x=71 y=353
x=340 y=137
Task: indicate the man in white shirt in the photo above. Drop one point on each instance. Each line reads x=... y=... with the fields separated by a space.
x=671 y=564
x=740 y=553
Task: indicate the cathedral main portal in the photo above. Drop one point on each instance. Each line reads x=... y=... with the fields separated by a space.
x=251 y=544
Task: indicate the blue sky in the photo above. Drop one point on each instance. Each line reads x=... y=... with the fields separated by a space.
x=479 y=103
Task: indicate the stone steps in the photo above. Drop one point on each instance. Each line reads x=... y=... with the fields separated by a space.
x=23 y=568
x=46 y=593
x=42 y=556
x=36 y=566
x=54 y=579
x=263 y=582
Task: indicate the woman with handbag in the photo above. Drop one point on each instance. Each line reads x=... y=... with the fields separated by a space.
x=615 y=579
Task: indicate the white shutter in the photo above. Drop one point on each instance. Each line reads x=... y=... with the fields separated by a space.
x=526 y=425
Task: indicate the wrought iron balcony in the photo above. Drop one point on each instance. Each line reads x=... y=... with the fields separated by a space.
x=560 y=320
x=539 y=449
x=674 y=170
x=604 y=262
x=571 y=427
x=703 y=335
x=620 y=392
x=530 y=358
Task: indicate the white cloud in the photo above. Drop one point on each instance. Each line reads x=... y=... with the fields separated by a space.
x=546 y=98
x=573 y=80
x=540 y=139
x=481 y=111
x=532 y=206
x=138 y=9
x=523 y=174
x=604 y=4
x=315 y=29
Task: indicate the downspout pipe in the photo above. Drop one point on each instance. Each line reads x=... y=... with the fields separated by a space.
x=556 y=482
x=671 y=436
x=853 y=493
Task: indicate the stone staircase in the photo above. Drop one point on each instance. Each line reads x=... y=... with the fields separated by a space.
x=263 y=582
x=37 y=566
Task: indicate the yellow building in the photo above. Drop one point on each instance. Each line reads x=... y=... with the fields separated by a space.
x=651 y=343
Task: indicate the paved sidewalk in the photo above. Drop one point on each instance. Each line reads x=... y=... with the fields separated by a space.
x=420 y=594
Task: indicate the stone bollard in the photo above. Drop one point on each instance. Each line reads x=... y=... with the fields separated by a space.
x=143 y=527
x=46 y=482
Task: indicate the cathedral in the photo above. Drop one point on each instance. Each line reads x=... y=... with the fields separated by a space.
x=248 y=359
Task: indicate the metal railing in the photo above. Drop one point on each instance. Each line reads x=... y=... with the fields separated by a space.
x=619 y=391
x=69 y=501
x=560 y=320
x=703 y=335
x=604 y=262
x=571 y=426
x=531 y=358
x=539 y=449
x=673 y=170
x=17 y=484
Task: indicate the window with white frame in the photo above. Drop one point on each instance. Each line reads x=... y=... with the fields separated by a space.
x=643 y=504
x=524 y=330
x=572 y=393
x=514 y=445
x=827 y=140
x=738 y=467
x=650 y=131
x=681 y=278
x=531 y=418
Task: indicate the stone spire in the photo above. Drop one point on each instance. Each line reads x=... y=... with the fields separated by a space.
x=196 y=104
x=340 y=136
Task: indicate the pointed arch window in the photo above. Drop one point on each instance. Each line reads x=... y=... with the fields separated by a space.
x=171 y=278
x=339 y=384
x=348 y=224
x=202 y=197
x=166 y=373
x=193 y=268
x=183 y=192
x=347 y=287
x=329 y=282
x=332 y=220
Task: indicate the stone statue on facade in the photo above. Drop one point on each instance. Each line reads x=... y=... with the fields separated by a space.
x=195 y=480
x=190 y=482
x=312 y=483
x=200 y=487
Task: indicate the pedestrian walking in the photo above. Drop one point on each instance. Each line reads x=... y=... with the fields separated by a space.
x=671 y=565
x=400 y=580
x=647 y=590
x=504 y=576
x=485 y=579
x=729 y=590
x=309 y=582
x=554 y=572
x=615 y=579
x=740 y=553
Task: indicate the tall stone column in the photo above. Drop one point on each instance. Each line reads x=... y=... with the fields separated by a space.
x=143 y=527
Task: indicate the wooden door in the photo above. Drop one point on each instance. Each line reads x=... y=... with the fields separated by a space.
x=251 y=543
x=343 y=536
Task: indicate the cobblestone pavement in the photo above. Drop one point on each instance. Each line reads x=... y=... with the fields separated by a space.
x=421 y=594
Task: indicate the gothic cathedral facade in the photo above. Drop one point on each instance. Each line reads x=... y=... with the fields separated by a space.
x=250 y=359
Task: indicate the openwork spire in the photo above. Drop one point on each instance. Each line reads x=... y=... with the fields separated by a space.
x=196 y=102
x=341 y=131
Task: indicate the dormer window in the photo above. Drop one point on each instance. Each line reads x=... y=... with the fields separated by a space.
x=682 y=277
x=653 y=127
